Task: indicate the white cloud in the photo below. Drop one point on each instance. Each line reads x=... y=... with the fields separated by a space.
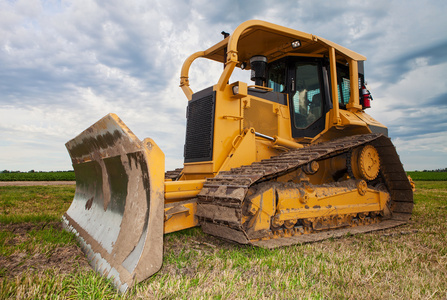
x=64 y=65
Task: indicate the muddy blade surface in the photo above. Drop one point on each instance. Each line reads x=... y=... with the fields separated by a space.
x=117 y=210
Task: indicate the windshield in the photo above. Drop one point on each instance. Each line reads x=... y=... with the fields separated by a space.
x=307 y=100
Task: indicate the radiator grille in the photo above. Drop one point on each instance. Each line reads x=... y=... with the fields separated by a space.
x=199 y=127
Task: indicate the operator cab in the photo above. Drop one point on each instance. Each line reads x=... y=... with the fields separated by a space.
x=306 y=81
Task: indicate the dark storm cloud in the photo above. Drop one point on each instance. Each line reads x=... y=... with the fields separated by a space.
x=433 y=103
x=419 y=128
x=396 y=67
x=415 y=121
x=438 y=101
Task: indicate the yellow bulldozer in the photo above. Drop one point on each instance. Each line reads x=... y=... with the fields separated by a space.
x=290 y=159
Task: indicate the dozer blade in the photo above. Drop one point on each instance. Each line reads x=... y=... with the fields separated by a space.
x=117 y=210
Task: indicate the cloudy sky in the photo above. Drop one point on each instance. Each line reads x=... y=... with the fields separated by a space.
x=66 y=64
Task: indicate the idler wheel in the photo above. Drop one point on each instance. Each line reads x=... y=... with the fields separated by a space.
x=365 y=163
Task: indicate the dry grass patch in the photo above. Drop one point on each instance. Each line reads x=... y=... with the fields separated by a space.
x=404 y=262
x=407 y=262
x=38 y=247
x=387 y=264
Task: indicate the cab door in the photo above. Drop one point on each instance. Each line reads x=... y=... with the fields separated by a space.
x=306 y=82
x=308 y=96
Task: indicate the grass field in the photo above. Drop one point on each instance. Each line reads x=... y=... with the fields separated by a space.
x=38 y=176
x=428 y=176
x=70 y=176
x=40 y=260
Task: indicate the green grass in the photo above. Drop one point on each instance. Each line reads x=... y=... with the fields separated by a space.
x=34 y=203
x=428 y=176
x=45 y=237
x=52 y=285
x=38 y=176
x=407 y=262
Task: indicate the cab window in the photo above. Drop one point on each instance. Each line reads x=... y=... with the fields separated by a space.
x=277 y=76
x=343 y=85
x=307 y=99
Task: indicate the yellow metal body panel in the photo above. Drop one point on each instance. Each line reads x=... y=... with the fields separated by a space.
x=276 y=205
x=354 y=104
x=341 y=202
x=226 y=129
x=176 y=190
x=350 y=119
x=273 y=40
x=197 y=170
x=180 y=215
x=368 y=119
x=263 y=207
x=243 y=151
x=261 y=115
x=334 y=116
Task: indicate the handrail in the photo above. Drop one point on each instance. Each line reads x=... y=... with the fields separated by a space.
x=184 y=74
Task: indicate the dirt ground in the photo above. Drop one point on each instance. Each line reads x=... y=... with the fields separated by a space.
x=63 y=259
x=31 y=183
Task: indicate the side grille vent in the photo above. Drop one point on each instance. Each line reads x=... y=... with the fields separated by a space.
x=200 y=127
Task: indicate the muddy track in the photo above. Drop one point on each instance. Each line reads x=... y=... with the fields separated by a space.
x=220 y=201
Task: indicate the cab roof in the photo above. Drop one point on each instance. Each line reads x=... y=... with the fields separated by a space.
x=256 y=37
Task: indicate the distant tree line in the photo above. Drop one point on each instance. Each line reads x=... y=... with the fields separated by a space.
x=437 y=170
x=33 y=175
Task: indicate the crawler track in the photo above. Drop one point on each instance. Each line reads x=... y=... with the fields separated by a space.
x=220 y=203
x=173 y=174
